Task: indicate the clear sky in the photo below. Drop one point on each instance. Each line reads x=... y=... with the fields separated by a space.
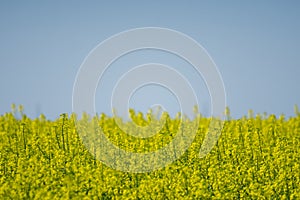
x=255 y=45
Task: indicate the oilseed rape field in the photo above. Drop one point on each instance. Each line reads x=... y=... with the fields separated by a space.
x=256 y=157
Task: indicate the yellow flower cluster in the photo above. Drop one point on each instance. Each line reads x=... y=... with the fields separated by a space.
x=255 y=158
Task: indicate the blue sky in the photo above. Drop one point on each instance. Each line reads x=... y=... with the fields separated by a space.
x=255 y=45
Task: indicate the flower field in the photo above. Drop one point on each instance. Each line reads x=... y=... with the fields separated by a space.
x=256 y=157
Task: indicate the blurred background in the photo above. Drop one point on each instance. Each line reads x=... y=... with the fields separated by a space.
x=255 y=45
